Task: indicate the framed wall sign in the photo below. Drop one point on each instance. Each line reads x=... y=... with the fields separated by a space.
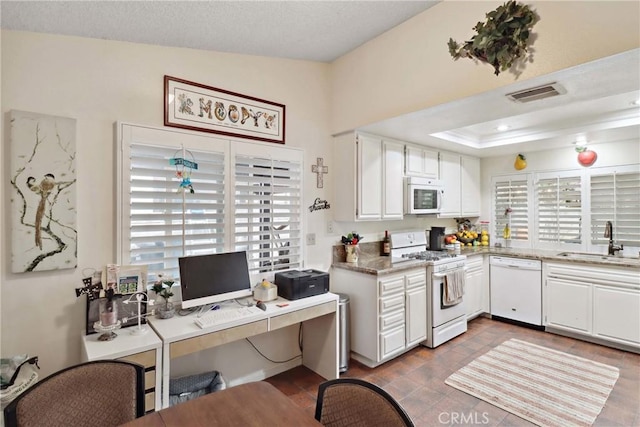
x=194 y=106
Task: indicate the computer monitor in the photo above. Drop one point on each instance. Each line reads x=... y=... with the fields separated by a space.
x=207 y=279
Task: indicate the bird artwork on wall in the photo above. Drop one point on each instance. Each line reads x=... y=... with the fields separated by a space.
x=43 y=195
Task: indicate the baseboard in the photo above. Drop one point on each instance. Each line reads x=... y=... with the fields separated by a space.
x=592 y=340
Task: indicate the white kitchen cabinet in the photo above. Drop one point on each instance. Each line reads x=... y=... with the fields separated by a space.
x=369 y=180
x=388 y=313
x=569 y=305
x=476 y=287
x=616 y=314
x=596 y=302
x=421 y=161
x=416 y=308
x=460 y=176
x=450 y=177
x=469 y=186
x=392 y=191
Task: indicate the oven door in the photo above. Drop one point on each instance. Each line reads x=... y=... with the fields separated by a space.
x=443 y=313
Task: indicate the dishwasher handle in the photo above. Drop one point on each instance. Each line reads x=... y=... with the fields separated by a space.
x=516 y=263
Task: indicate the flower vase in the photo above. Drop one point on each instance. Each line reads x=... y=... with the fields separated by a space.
x=352 y=252
x=165 y=311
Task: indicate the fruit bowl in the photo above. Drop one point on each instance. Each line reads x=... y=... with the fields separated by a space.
x=465 y=240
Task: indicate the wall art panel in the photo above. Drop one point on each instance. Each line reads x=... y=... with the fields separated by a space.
x=43 y=192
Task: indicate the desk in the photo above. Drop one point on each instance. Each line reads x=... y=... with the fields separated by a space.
x=252 y=404
x=181 y=336
x=142 y=349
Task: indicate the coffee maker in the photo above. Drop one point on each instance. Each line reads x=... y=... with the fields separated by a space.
x=436 y=239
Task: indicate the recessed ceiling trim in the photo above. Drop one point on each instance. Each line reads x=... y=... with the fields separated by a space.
x=536 y=93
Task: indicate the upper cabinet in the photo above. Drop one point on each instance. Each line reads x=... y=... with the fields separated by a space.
x=421 y=161
x=460 y=176
x=369 y=185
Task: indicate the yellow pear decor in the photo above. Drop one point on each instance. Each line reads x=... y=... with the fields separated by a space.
x=520 y=163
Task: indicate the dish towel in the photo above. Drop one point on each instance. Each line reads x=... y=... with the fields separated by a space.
x=453 y=288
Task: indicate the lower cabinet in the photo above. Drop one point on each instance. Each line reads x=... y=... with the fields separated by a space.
x=476 y=288
x=596 y=302
x=388 y=312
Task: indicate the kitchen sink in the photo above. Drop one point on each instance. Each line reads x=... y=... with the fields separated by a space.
x=586 y=255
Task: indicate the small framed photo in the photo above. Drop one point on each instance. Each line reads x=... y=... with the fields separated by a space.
x=195 y=106
x=125 y=279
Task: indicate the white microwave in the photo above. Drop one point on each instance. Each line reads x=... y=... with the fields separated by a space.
x=422 y=195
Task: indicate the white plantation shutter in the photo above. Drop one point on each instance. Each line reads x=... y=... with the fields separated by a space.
x=559 y=209
x=267 y=212
x=511 y=193
x=615 y=197
x=166 y=222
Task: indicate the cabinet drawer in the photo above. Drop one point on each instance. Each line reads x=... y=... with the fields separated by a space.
x=298 y=316
x=146 y=358
x=391 y=342
x=391 y=320
x=416 y=280
x=391 y=286
x=149 y=401
x=392 y=303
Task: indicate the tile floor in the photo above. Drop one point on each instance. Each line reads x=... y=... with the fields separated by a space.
x=416 y=379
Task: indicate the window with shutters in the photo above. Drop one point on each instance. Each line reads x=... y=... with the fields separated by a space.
x=267 y=215
x=615 y=197
x=511 y=206
x=559 y=208
x=167 y=222
x=247 y=196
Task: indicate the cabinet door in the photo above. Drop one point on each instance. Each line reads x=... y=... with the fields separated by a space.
x=392 y=196
x=615 y=314
x=416 y=315
x=450 y=177
x=391 y=342
x=369 y=176
x=421 y=162
x=473 y=288
x=568 y=305
x=470 y=186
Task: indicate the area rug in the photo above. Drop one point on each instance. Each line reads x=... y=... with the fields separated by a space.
x=544 y=386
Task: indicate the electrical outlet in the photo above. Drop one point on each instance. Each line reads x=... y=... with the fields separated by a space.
x=330 y=227
x=311 y=239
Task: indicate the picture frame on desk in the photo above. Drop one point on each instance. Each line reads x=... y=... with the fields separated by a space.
x=127 y=313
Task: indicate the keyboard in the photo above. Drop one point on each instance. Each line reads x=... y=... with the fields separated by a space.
x=217 y=317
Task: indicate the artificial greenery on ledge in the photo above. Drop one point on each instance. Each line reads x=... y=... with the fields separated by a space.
x=502 y=39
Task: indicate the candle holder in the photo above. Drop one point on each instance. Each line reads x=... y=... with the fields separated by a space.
x=139 y=298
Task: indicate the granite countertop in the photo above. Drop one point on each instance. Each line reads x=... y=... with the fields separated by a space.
x=370 y=262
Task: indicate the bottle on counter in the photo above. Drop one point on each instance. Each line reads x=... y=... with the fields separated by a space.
x=386 y=244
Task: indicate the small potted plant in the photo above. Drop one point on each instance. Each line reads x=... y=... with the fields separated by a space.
x=162 y=288
x=350 y=242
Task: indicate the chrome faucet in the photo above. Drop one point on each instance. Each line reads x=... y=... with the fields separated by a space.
x=608 y=233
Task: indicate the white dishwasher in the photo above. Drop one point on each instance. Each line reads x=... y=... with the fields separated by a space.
x=516 y=289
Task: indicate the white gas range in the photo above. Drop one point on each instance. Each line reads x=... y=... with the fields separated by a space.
x=445 y=319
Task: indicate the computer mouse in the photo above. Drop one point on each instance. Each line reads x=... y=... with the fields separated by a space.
x=261 y=305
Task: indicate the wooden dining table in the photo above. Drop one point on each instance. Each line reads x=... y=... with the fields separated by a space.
x=252 y=404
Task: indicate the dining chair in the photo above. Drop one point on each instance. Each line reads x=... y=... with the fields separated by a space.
x=97 y=393
x=355 y=402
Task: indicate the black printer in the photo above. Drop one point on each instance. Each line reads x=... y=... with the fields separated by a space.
x=296 y=284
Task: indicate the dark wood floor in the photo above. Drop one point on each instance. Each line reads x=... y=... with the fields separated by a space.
x=416 y=379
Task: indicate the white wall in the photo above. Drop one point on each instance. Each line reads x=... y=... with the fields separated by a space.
x=98 y=83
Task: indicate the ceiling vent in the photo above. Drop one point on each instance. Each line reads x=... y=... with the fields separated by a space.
x=535 y=93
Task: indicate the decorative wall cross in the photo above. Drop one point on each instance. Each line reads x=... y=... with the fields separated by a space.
x=319 y=169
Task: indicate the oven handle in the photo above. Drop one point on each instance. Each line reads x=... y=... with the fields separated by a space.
x=440 y=276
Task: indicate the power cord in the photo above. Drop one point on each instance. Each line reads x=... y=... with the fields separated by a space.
x=281 y=361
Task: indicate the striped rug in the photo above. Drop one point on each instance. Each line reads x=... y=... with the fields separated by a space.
x=544 y=386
